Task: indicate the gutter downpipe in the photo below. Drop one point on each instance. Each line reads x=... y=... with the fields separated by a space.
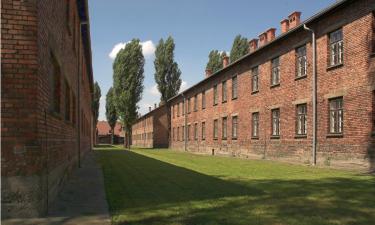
x=314 y=94
x=185 y=122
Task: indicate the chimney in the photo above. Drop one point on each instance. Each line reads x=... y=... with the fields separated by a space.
x=149 y=109
x=208 y=72
x=294 y=19
x=154 y=105
x=270 y=34
x=253 y=45
x=225 y=61
x=284 y=25
x=262 y=39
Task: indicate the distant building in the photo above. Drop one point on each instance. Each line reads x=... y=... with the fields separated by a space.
x=261 y=106
x=151 y=129
x=46 y=89
x=104 y=133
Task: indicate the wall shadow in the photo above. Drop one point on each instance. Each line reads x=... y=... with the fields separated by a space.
x=142 y=190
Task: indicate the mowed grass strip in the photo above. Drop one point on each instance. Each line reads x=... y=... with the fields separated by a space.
x=163 y=187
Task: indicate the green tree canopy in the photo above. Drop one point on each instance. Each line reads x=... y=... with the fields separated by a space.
x=240 y=48
x=96 y=101
x=167 y=73
x=128 y=76
x=215 y=61
x=110 y=110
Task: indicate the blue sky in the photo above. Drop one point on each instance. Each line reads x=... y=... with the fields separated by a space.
x=197 y=26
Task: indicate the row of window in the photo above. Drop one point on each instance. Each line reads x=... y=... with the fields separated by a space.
x=143 y=136
x=335 y=58
x=335 y=123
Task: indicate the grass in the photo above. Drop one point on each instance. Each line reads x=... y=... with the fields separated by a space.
x=161 y=187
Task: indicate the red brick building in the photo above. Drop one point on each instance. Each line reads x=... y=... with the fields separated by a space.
x=104 y=133
x=261 y=106
x=47 y=84
x=151 y=129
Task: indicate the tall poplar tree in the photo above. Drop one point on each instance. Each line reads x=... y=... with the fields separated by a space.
x=215 y=61
x=110 y=113
x=167 y=73
x=240 y=48
x=128 y=76
x=95 y=104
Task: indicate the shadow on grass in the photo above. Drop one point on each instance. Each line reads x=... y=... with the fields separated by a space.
x=142 y=190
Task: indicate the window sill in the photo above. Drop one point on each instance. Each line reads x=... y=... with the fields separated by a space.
x=234 y=138
x=55 y=115
x=254 y=92
x=275 y=137
x=224 y=139
x=300 y=136
x=215 y=139
x=372 y=55
x=234 y=98
x=224 y=101
x=215 y=104
x=335 y=66
x=275 y=85
x=255 y=138
x=335 y=135
x=300 y=78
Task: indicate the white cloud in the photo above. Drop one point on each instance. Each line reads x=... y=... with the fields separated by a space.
x=154 y=91
x=184 y=86
x=148 y=49
x=102 y=108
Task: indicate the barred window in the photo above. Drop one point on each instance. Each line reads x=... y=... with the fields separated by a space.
x=224 y=128
x=336 y=47
x=255 y=79
x=301 y=119
x=178 y=133
x=215 y=95
x=178 y=110
x=301 y=61
x=183 y=107
x=234 y=87
x=275 y=122
x=255 y=125
x=275 y=71
x=188 y=109
x=195 y=102
x=224 y=91
x=336 y=115
x=203 y=100
x=183 y=133
x=195 y=131
x=188 y=132
x=203 y=130
x=215 y=129
x=234 y=127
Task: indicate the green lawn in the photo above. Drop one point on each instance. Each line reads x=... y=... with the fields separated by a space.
x=168 y=187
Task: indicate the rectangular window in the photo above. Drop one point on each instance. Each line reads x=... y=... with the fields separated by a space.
x=173 y=111
x=224 y=91
x=336 y=115
x=234 y=127
x=215 y=95
x=255 y=125
x=67 y=101
x=203 y=100
x=195 y=131
x=336 y=48
x=275 y=122
x=183 y=108
x=301 y=61
x=178 y=109
x=183 y=133
x=301 y=119
x=173 y=134
x=203 y=130
x=189 y=108
x=215 y=129
x=275 y=71
x=224 y=128
x=254 y=79
x=195 y=102
x=234 y=87
x=188 y=132
x=56 y=85
x=178 y=133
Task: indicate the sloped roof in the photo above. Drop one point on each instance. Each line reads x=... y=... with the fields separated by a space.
x=104 y=128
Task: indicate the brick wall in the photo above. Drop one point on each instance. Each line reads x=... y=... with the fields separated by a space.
x=151 y=130
x=353 y=81
x=39 y=145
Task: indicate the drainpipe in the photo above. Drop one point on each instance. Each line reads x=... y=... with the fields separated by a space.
x=314 y=94
x=185 y=121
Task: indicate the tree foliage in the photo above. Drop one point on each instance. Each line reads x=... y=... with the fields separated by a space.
x=240 y=48
x=167 y=73
x=128 y=76
x=110 y=110
x=96 y=101
x=215 y=61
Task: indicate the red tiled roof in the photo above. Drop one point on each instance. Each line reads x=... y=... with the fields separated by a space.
x=104 y=128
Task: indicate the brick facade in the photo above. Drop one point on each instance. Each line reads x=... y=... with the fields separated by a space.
x=44 y=64
x=151 y=130
x=353 y=81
